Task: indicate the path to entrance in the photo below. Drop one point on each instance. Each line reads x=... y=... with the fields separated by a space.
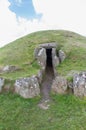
x=46 y=88
x=46 y=84
x=47 y=80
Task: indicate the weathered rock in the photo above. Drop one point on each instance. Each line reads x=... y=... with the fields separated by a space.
x=72 y=72
x=40 y=76
x=42 y=58
x=62 y=55
x=79 y=84
x=44 y=105
x=27 y=87
x=55 y=60
x=1 y=83
x=36 y=51
x=49 y=45
x=9 y=68
x=59 y=85
x=46 y=46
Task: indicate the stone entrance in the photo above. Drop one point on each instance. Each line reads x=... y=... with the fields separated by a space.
x=48 y=60
x=48 y=76
x=49 y=57
x=46 y=56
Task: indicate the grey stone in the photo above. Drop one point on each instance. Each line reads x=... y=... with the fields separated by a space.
x=40 y=76
x=1 y=83
x=49 y=45
x=79 y=84
x=27 y=87
x=42 y=58
x=44 y=105
x=59 y=85
x=40 y=54
x=72 y=72
x=36 y=51
x=9 y=68
x=55 y=60
x=46 y=46
x=62 y=56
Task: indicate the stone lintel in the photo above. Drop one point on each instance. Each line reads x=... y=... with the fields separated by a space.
x=49 y=45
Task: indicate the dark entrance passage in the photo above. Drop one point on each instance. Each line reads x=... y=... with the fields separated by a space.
x=48 y=76
x=49 y=57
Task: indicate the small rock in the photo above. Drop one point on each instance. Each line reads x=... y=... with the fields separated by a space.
x=44 y=105
x=1 y=83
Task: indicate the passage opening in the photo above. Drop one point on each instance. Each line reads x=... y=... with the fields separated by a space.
x=49 y=57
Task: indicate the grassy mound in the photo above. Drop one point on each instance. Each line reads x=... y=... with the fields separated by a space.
x=66 y=112
x=21 y=52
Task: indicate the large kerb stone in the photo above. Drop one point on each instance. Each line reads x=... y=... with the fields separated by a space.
x=59 y=85
x=27 y=87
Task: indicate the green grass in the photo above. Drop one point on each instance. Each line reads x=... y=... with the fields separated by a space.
x=25 y=71
x=66 y=112
x=76 y=60
x=21 y=52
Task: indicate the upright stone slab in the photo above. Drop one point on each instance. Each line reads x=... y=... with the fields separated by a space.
x=62 y=56
x=42 y=58
x=79 y=84
x=1 y=83
x=55 y=60
x=36 y=51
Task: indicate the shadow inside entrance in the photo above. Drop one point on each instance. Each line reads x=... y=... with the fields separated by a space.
x=48 y=76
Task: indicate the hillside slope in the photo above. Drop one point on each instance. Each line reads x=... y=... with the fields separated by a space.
x=21 y=52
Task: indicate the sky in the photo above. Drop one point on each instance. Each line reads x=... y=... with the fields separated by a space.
x=21 y=17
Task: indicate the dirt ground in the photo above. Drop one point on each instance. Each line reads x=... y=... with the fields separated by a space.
x=46 y=83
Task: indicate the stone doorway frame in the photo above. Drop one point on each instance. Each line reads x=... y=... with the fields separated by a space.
x=40 y=55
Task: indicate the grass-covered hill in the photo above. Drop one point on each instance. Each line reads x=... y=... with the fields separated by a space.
x=66 y=112
x=21 y=52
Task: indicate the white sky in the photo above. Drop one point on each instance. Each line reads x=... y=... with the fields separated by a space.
x=56 y=14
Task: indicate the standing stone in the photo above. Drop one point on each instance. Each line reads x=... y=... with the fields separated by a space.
x=62 y=56
x=27 y=87
x=1 y=83
x=55 y=60
x=59 y=85
x=79 y=84
x=36 y=51
x=40 y=76
x=42 y=58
